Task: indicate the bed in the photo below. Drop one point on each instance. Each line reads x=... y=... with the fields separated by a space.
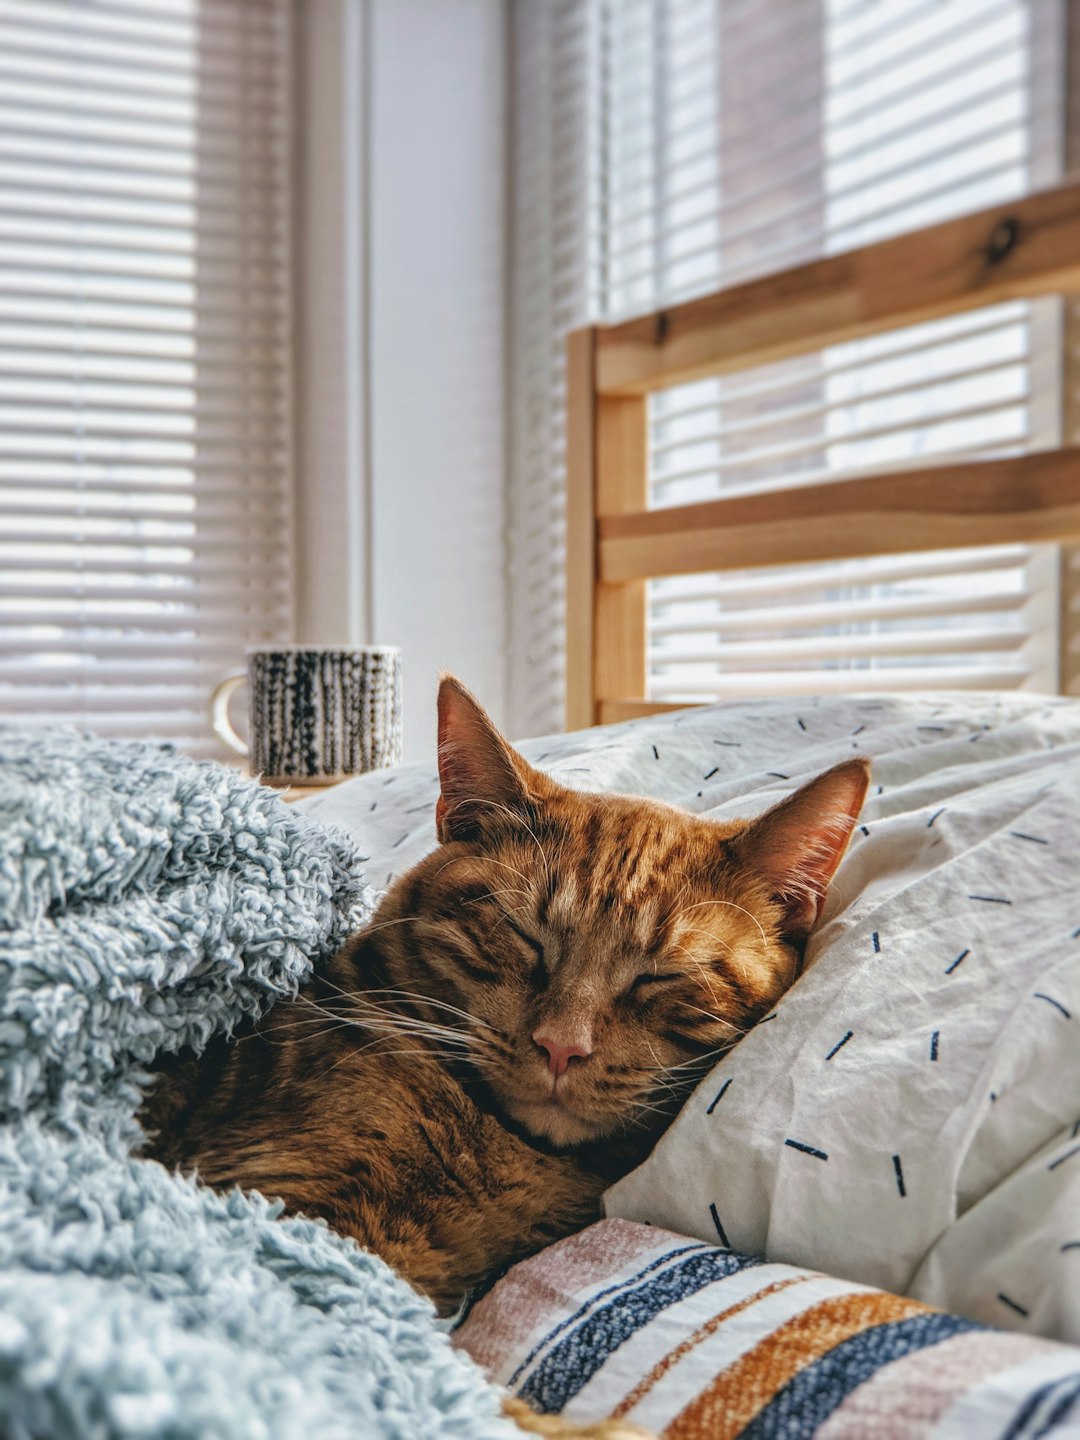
x=867 y=1219
x=900 y=1134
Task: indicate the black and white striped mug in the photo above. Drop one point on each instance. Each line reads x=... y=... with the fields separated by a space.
x=315 y=716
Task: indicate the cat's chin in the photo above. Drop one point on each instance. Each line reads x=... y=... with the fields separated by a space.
x=551 y=1121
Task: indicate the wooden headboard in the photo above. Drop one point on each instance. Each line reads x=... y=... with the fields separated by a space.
x=615 y=543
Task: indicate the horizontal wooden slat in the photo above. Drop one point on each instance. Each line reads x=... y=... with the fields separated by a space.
x=1031 y=498
x=1030 y=247
x=609 y=712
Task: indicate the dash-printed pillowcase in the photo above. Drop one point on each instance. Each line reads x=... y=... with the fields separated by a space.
x=696 y=1342
x=909 y=1116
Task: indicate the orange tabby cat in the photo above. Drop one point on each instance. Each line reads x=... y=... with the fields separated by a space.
x=524 y=1014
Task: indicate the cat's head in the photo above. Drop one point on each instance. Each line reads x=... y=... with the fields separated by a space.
x=594 y=953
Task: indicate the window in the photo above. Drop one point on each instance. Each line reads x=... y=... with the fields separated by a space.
x=144 y=356
x=723 y=141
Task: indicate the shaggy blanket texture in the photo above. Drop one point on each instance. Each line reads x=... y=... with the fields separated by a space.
x=146 y=903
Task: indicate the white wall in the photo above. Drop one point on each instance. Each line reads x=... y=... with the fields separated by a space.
x=436 y=357
x=401 y=463
x=333 y=593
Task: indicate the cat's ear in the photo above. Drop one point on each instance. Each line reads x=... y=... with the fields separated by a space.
x=479 y=773
x=797 y=845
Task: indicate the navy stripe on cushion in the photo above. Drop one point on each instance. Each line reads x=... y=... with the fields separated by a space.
x=574 y=1361
x=1045 y=1409
x=624 y=1284
x=811 y=1396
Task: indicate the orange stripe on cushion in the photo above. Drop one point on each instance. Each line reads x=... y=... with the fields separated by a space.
x=703 y=1332
x=738 y=1393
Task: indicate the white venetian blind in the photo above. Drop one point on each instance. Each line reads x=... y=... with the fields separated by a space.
x=144 y=375
x=555 y=118
x=730 y=138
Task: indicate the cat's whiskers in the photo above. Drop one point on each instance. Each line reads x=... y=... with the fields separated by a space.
x=288 y=1038
x=652 y=1050
x=731 y=953
x=646 y=1107
x=373 y=927
x=727 y=904
x=421 y=1030
x=393 y=1022
x=495 y=894
x=488 y=860
x=505 y=865
x=416 y=1052
x=666 y=1097
x=699 y=965
x=399 y=991
x=705 y=1058
x=442 y=1051
x=279 y=1022
x=313 y=1027
x=717 y=1019
x=504 y=914
x=453 y=860
x=355 y=1003
x=421 y=1050
x=427 y=1054
x=519 y=823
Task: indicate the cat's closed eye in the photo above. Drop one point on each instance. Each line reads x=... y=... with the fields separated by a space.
x=642 y=983
x=540 y=973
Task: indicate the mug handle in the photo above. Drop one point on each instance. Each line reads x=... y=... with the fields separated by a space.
x=219 y=711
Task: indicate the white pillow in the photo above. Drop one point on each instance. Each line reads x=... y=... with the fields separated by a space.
x=909 y=1118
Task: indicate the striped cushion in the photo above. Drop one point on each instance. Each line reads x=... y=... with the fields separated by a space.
x=696 y=1342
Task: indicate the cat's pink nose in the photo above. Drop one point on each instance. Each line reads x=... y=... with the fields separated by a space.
x=560 y=1053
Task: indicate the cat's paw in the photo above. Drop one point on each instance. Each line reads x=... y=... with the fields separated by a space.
x=554 y=1427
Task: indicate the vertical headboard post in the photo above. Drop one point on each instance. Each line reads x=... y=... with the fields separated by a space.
x=580 y=526
x=607 y=475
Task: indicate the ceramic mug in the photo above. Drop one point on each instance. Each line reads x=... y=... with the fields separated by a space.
x=315 y=715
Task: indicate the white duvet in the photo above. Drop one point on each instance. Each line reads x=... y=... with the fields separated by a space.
x=910 y=1116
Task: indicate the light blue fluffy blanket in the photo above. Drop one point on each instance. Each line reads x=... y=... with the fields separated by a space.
x=147 y=902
